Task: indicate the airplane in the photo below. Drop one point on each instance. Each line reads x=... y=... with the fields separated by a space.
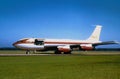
x=62 y=45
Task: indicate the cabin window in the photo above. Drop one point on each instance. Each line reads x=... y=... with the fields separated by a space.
x=39 y=42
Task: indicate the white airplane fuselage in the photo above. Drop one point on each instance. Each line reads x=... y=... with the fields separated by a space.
x=62 y=45
x=29 y=43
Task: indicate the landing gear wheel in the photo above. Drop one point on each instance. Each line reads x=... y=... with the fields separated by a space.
x=27 y=52
x=57 y=52
x=67 y=52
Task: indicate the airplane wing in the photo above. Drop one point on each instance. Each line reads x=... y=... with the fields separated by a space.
x=106 y=43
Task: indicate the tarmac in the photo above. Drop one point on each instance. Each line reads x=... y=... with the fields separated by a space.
x=25 y=54
x=79 y=54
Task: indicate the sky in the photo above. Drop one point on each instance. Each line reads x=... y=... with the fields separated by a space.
x=61 y=19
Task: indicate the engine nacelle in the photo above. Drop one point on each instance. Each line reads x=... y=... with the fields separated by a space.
x=64 y=48
x=86 y=46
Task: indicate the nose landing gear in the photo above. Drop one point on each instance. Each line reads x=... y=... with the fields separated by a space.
x=28 y=52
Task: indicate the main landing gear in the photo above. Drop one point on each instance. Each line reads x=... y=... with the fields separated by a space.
x=59 y=52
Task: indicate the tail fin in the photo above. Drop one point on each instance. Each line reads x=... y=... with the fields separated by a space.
x=96 y=34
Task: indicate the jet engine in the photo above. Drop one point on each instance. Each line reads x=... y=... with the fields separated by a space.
x=64 y=48
x=86 y=47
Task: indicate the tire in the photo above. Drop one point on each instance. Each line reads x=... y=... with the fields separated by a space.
x=67 y=52
x=27 y=52
x=57 y=52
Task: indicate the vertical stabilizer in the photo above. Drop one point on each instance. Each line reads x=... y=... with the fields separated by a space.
x=96 y=34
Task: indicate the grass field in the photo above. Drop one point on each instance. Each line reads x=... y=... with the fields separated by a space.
x=59 y=67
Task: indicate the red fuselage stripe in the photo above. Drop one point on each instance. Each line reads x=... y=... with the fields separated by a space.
x=53 y=42
x=66 y=43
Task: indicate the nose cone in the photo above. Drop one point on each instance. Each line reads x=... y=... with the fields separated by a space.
x=15 y=44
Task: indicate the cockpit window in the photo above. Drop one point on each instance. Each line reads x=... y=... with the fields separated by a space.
x=39 y=42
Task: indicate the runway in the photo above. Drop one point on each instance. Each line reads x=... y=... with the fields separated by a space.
x=25 y=54
x=74 y=53
x=51 y=53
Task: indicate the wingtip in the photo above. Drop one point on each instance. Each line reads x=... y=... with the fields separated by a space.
x=117 y=42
